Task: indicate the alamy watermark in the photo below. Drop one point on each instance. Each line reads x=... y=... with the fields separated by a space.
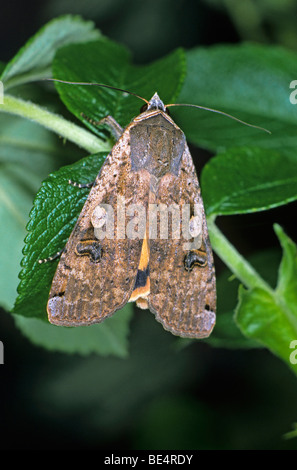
x=293 y=94
x=162 y=221
x=1 y=353
x=1 y=93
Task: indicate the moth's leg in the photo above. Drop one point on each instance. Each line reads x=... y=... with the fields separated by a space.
x=116 y=131
x=109 y=121
x=81 y=185
x=51 y=258
x=114 y=126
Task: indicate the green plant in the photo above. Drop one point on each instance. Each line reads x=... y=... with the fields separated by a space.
x=252 y=171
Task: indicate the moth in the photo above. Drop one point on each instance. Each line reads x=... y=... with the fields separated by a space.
x=141 y=236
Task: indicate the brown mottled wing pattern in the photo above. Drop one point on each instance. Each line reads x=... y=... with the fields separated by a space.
x=94 y=278
x=184 y=301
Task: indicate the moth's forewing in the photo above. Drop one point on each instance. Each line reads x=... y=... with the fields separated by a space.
x=183 y=299
x=150 y=164
x=94 y=278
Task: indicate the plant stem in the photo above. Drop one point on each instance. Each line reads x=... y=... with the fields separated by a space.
x=58 y=124
x=235 y=262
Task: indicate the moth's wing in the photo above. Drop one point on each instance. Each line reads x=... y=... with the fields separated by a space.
x=94 y=278
x=184 y=301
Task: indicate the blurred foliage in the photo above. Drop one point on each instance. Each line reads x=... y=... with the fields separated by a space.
x=266 y=21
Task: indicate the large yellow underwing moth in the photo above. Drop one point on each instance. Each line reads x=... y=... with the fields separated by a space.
x=141 y=236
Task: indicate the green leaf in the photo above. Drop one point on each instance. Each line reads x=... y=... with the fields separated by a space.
x=33 y=61
x=52 y=218
x=287 y=280
x=271 y=317
x=261 y=317
x=226 y=333
x=249 y=81
x=291 y=434
x=109 y=63
x=248 y=180
x=107 y=338
x=27 y=154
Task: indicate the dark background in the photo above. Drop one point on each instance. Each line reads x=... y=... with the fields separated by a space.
x=160 y=397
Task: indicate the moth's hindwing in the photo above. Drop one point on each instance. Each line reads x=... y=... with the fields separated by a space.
x=94 y=277
x=182 y=280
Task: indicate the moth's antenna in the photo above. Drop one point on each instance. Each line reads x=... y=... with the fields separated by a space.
x=167 y=106
x=97 y=84
x=220 y=112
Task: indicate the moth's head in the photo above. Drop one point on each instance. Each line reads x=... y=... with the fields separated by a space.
x=154 y=103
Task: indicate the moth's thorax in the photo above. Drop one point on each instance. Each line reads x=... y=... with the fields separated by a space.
x=156 y=143
x=154 y=112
